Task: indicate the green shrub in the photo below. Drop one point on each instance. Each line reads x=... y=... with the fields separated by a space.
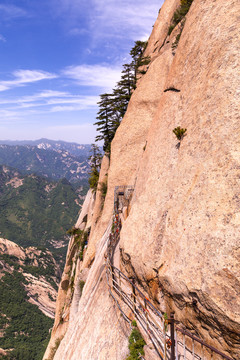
x=74 y=231
x=179 y=132
x=179 y=14
x=54 y=349
x=136 y=343
x=103 y=189
x=170 y=29
x=93 y=179
x=81 y=284
x=82 y=244
x=134 y=323
x=175 y=43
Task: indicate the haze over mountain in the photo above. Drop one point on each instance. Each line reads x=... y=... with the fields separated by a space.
x=47 y=144
x=54 y=160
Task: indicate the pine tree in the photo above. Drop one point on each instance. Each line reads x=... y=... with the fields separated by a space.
x=95 y=163
x=138 y=59
x=104 y=117
x=112 y=107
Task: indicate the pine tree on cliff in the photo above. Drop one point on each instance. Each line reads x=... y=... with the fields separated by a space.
x=95 y=163
x=104 y=123
x=112 y=107
x=127 y=82
x=138 y=59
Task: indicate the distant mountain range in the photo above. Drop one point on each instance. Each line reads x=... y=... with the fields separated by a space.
x=46 y=144
x=42 y=187
x=49 y=159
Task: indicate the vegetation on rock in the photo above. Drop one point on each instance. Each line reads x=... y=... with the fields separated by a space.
x=36 y=212
x=180 y=14
x=54 y=348
x=103 y=189
x=179 y=132
x=113 y=106
x=95 y=164
x=24 y=327
x=136 y=343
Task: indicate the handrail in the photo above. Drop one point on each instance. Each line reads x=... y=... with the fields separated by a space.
x=200 y=341
x=139 y=291
x=168 y=344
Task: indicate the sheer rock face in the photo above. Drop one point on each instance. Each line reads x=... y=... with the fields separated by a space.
x=97 y=227
x=182 y=234
x=185 y=220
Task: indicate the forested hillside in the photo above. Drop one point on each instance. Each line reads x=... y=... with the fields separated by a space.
x=35 y=211
x=53 y=164
x=28 y=282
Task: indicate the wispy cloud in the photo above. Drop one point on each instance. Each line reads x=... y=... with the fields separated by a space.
x=50 y=101
x=9 y=11
x=7 y=115
x=94 y=75
x=78 y=31
x=23 y=77
x=112 y=18
x=123 y=16
x=2 y=38
x=26 y=76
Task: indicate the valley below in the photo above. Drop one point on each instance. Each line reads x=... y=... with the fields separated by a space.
x=42 y=188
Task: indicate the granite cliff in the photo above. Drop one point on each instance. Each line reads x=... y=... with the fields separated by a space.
x=180 y=240
x=29 y=278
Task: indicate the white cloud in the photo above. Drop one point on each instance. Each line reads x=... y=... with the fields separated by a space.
x=9 y=11
x=64 y=101
x=94 y=75
x=26 y=76
x=52 y=93
x=42 y=96
x=3 y=87
x=87 y=101
x=126 y=14
x=78 y=31
x=111 y=18
x=46 y=94
x=23 y=77
x=7 y=115
x=2 y=38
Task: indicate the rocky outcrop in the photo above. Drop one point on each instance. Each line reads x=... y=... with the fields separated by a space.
x=181 y=236
x=39 y=288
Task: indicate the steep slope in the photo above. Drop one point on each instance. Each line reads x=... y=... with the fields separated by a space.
x=180 y=242
x=28 y=281
x=43 y=160
x=35 y=211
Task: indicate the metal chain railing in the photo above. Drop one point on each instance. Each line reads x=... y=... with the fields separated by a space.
x=123 y=289
x=170 y=342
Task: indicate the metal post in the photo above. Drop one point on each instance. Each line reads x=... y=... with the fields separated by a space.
x=134 y=295
x=172 y=336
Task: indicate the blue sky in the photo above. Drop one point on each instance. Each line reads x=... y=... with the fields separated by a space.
x=58 y=56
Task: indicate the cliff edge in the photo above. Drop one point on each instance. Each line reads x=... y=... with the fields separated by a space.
x=180 y=241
